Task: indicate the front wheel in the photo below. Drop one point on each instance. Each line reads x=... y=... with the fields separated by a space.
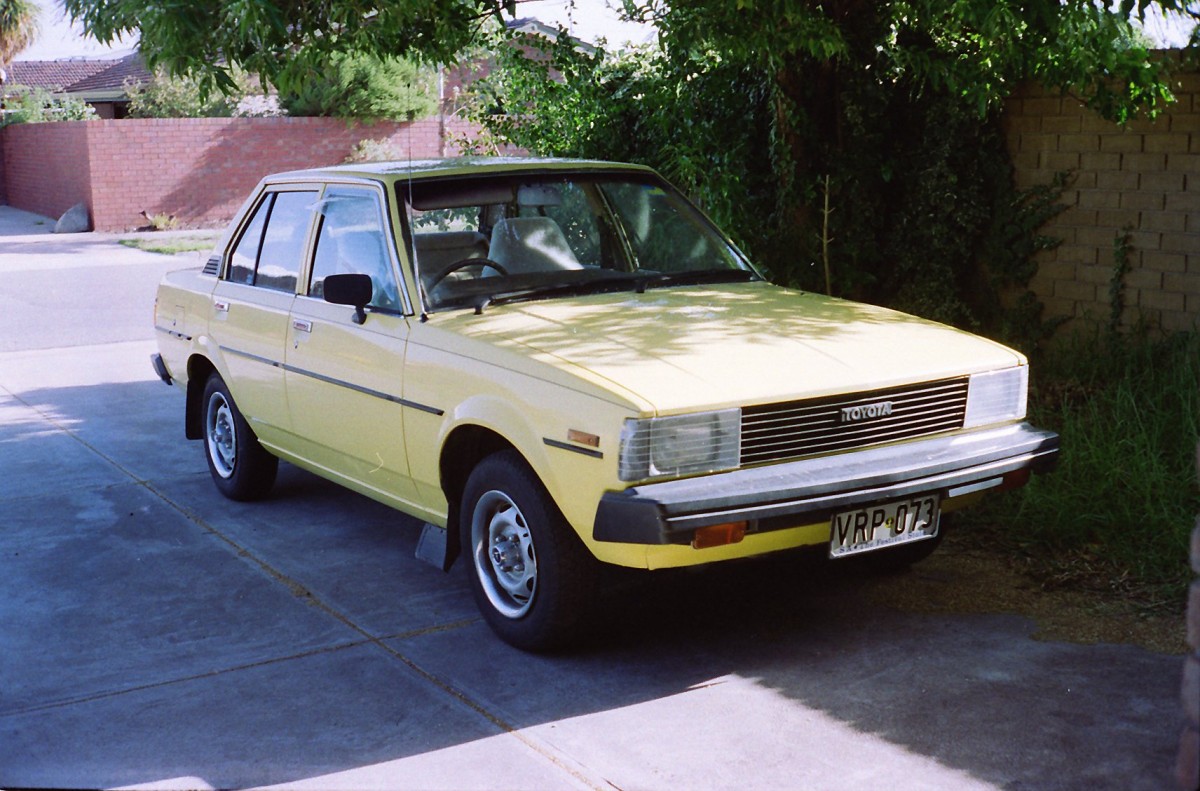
x=240 y=467
x=531 y=576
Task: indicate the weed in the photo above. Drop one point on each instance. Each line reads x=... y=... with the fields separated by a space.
x=381 y=150
x=161 y=221
x=1118 y=510
x=1122 y=248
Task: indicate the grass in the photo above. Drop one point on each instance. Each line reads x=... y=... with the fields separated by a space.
x=171 y=246
x=1116 y=515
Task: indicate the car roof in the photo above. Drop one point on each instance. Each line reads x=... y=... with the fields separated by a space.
x=457 y=166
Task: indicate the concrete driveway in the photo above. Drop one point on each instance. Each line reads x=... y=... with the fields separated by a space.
x=153 y=634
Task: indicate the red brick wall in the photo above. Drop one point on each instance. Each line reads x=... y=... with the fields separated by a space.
x=46 y=166
x=198 y=169
x=1144 y=177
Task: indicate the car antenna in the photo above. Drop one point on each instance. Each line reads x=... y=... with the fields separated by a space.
x=424 y=317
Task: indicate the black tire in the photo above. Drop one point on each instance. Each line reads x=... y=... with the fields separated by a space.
x=240 y=467
x=532 y=578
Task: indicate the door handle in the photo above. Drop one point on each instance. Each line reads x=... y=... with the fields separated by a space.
x=302 y=325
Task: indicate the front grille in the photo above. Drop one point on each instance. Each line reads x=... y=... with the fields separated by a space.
x=776 y=432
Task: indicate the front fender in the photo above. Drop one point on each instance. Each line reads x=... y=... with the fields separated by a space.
x=575 y=475
x=503 y=418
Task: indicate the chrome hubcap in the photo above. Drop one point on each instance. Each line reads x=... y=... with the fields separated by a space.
x=503 y=554
x=221 y=435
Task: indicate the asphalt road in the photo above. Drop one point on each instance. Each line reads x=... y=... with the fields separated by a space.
x=153 y=634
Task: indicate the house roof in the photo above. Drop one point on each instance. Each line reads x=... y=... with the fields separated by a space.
x=53 y=75
x=114 y=75
x=532 y=26
x=85 y=78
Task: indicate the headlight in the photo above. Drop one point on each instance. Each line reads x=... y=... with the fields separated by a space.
x=681 y=445
x=997 y=396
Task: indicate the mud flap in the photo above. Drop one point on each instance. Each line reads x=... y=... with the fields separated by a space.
x=434 y=548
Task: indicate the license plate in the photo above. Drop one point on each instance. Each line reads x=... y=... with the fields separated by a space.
x=883 y=525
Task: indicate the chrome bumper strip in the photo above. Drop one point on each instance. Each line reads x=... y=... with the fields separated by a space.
x=778 y=496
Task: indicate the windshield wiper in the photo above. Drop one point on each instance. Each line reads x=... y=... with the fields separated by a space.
x=552 y=290
x=616 y=282
x=695 y=277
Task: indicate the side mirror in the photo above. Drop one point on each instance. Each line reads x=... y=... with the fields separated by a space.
x=353 y=290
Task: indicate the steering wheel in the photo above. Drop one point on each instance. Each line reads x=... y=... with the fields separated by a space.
x=463 y=264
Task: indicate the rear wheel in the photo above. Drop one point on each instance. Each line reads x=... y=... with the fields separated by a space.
x=531 y=576
x=240 y=467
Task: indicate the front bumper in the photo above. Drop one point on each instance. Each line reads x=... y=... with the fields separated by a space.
x=809 y=491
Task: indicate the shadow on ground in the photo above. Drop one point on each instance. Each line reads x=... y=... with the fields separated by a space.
x=152 y=630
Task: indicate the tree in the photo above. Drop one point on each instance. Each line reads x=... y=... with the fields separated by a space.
x=285 y=41
x=18 y=27
x=976 y=46
x=975 y=49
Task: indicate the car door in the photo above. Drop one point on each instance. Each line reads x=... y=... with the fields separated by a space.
x=252 y=304
x=344 y=378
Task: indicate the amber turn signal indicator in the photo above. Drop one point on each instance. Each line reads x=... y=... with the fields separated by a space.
x=719 y=535
x=583 y=438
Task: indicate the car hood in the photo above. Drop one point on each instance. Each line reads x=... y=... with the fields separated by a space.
x=708 y=347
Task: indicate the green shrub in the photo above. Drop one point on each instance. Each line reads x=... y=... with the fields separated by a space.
x=25 y=105
x=165 y=96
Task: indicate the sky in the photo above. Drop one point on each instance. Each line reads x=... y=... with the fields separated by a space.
x=586 y=19
x=58 y=39
x=1167 y=33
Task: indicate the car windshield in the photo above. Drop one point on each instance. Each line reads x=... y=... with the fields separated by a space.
x=487 y=240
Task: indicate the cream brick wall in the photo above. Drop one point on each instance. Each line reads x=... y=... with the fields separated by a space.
x=1142 y=179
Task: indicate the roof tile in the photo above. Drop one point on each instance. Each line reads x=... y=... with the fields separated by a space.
x=78 y=76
